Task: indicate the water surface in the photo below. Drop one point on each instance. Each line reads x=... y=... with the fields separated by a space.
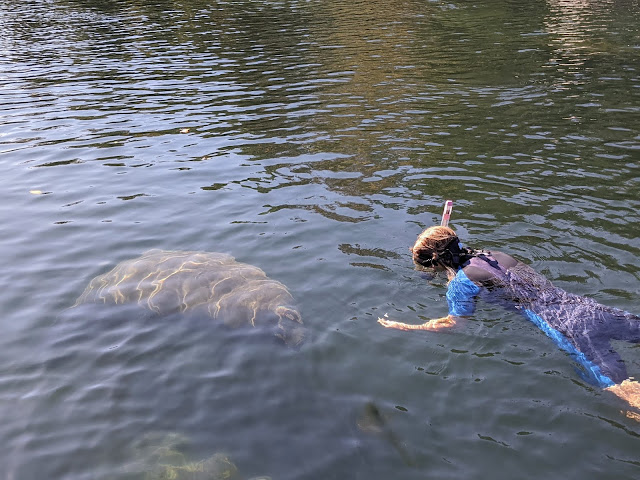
x=314 y=140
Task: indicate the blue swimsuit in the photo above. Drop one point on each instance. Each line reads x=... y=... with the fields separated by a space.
x=580 y=326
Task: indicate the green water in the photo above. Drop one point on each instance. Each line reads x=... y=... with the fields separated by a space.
x=322 y=137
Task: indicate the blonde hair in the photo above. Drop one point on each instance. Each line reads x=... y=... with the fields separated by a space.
x=431 y=244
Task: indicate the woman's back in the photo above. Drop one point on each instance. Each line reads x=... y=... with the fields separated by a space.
x=579 y=325
x=510 y=278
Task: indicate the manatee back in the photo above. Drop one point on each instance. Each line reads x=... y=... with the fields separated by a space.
x=169 y=282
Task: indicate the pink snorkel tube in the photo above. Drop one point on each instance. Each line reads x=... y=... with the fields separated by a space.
x=446 y=213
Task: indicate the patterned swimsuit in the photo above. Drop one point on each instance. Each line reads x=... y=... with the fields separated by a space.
x=580 y=326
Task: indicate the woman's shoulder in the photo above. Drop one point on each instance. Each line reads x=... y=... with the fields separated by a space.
x=506 y=261
x=480 y=275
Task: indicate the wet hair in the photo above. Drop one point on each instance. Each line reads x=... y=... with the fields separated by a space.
x=439 y=246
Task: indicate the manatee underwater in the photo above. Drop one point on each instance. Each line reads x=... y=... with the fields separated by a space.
x=161 y=457
x=201 y=284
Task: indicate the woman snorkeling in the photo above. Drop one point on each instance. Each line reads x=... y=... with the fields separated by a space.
x=581 y=326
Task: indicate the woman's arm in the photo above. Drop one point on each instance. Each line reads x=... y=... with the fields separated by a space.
x=433 y=325
x=461 y=294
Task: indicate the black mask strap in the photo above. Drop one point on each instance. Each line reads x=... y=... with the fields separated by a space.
x=494 y=263
x=453 y=251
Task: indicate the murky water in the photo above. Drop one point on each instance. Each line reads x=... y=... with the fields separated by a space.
x=314 y=140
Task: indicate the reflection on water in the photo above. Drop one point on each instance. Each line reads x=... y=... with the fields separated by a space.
x=313 y=140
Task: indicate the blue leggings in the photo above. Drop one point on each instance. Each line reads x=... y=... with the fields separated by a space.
x=590 y=327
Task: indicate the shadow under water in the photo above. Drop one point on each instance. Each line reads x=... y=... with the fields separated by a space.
x=112 y=374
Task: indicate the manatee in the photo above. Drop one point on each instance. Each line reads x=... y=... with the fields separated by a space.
x=200 y=283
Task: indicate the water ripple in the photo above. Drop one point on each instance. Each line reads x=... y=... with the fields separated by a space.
x=314 y=140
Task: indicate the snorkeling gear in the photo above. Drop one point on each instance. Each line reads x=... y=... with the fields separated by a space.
x=446 y=213
x=450 y=254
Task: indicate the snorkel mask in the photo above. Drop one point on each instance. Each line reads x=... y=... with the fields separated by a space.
x=450 y=255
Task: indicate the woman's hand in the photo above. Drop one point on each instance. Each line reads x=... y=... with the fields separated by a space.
x=432 y=325
x=391 y=324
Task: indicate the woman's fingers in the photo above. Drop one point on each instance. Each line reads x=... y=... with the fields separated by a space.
x=391 y=324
